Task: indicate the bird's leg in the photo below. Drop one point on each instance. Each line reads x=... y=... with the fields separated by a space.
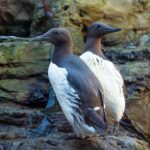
x=116 y=126
x=113 y=129
x=45 y=125
x=51 y=100
x=44 y=128
x=48 y=13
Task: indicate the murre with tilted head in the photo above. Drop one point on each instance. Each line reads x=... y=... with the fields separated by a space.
x=107 y=73
x=76 y=87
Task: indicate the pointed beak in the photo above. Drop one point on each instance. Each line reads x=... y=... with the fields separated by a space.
x=40 y=38
x=109 y=29
x=44 y=37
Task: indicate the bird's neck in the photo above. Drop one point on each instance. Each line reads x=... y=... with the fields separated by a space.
x=60 y=51
x=94 y=45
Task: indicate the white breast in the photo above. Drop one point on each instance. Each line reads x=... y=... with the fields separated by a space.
x=67 y=98
x=111 y=82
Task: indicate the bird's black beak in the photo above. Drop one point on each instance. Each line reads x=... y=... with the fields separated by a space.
x=44 y=37
x=40 y=38
x=109 y=29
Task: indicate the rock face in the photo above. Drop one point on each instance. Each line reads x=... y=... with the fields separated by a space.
x=17 y=137
x=26 y=18
x=24 y=84
x=134 y=65
x=23 y=72
x=15 y=17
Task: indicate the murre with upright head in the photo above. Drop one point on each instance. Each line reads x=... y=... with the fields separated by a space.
x=75 y=85
x=107 y=73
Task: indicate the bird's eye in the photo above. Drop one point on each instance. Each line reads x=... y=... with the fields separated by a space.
x=98 y=26
x=55 y=33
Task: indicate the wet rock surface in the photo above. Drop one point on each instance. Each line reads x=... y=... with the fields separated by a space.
x=24 y=85
x=18 y=137
x=26 y=18
x=134 y=65
x=15 y=17
x=19 y=115
x=23 y=72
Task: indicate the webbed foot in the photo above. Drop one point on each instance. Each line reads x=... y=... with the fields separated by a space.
x=43 y=129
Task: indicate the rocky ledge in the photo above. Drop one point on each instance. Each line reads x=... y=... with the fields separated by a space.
x=24 y=83
x=24 y=92
x=17 y=122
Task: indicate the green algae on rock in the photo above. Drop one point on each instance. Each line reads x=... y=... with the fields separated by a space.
x=22 y=66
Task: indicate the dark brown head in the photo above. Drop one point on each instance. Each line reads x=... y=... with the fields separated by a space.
x=99 y=29
x=56 y=36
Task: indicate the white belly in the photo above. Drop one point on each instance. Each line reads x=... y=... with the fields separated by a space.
x=67 y=98
x=111 y=82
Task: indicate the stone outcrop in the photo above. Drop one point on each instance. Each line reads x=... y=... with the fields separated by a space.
x=17 y=136
x=16 y=17
x=134 y=65
x=23 y=71
x=24 y=84
x=26 y=18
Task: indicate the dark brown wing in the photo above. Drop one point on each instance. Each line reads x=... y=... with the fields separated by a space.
x=85 y=83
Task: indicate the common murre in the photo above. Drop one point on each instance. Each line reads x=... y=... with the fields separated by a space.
x=75 y=85
x=109 y=77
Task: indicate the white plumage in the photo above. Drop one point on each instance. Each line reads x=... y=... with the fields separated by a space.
x=67 y=98
x=111 y=82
